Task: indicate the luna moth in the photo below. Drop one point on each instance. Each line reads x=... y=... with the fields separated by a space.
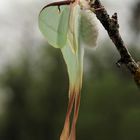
x=67 y=25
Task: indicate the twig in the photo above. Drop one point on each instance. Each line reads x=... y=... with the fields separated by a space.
x=112 y=27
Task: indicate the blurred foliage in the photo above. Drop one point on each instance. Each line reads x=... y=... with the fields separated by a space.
x=37 y=91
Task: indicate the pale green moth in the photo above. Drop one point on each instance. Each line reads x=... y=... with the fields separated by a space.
x=65 y=25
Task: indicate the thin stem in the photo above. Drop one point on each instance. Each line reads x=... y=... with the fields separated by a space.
x=112 y=27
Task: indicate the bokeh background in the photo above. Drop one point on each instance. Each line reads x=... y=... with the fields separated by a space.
x=34 y=82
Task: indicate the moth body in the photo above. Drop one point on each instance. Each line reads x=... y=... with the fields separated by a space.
x=88 y=28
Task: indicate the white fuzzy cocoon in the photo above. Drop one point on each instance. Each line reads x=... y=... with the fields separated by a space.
x=88 y=28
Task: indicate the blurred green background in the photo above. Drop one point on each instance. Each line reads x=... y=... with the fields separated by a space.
x=34 y=85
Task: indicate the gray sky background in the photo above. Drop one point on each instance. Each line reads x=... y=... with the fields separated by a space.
x=19 y=25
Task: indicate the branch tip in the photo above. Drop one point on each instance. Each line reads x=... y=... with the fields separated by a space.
x=112 y=27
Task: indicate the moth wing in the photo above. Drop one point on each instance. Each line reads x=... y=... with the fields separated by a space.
x=53 y=23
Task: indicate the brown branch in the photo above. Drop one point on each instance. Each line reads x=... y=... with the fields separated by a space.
x=112 y=27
